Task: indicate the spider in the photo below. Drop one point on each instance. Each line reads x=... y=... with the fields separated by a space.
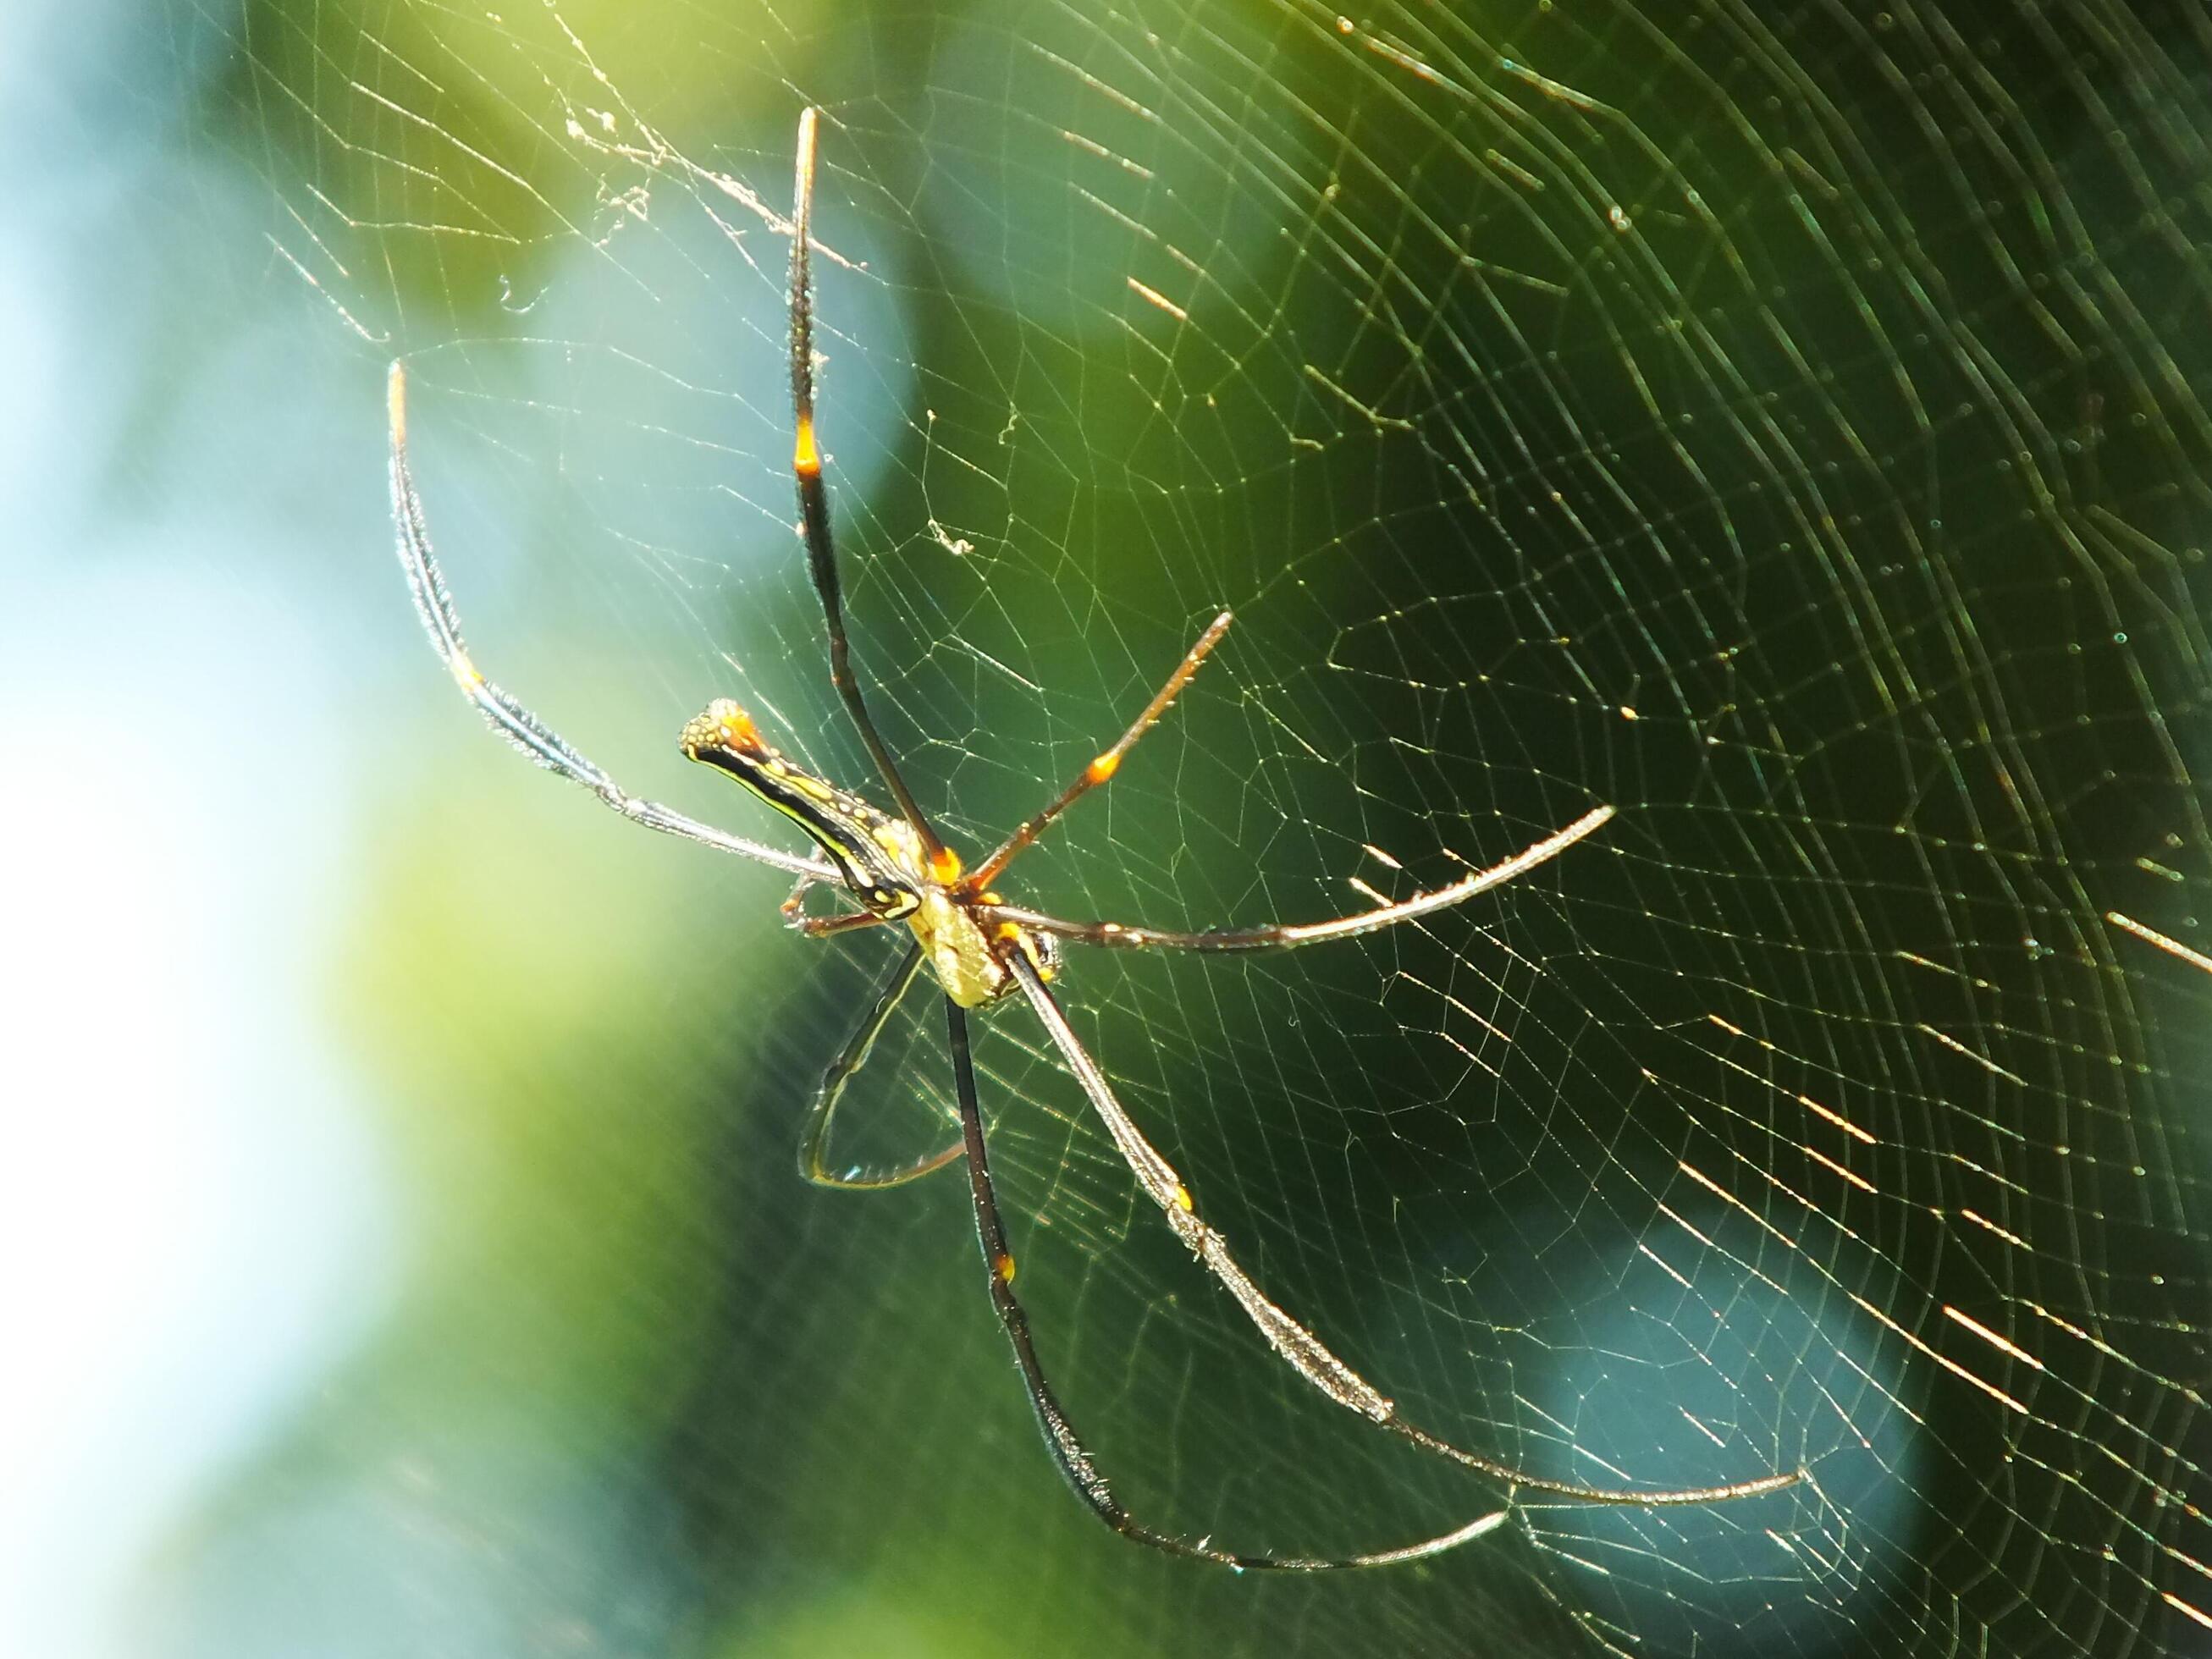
x=893 y=867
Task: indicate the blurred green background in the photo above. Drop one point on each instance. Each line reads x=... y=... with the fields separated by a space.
x=1786 y=425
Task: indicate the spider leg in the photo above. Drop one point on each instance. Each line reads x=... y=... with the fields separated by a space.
x=814 y=1135
x=509 y=718
x=1283 y=936
x=793 y=912
x=814 y=504
x=1068 y=1452
x=1304 y=1352
x=845 y=921
x=1106 y=764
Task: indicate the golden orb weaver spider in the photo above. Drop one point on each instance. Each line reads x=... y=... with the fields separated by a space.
x=894 y=867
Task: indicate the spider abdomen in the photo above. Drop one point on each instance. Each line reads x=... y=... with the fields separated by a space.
x=879 y=858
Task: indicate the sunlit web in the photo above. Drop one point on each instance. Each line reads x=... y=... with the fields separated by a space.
x=1783 y=424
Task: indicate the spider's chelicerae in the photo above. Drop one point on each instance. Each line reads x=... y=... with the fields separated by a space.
x=894 y=867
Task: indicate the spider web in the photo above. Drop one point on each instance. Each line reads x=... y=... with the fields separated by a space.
x=1781 y=423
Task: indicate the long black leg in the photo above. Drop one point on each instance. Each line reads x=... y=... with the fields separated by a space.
x=814 y=504
x=814 y=1135
x=1068 y=1452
